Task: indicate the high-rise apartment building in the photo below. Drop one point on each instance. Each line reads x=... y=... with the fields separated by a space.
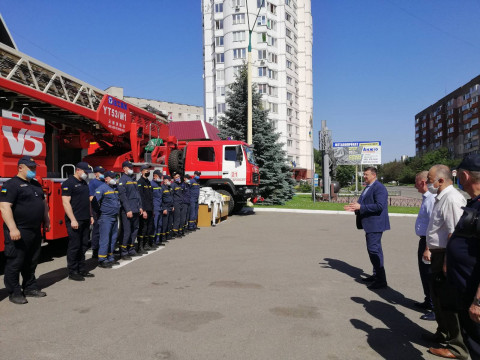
x=452 y=122
x=281 y=64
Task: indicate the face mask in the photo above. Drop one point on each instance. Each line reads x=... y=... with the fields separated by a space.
x=432 y=189
x=177 y=180
x=112 y=182
x=168 y=183
x=129 y=171
x=101 y=177
x=187 y=181
x=156 y=180
x=147 y=173
x=197 y=177
x=84 y=176
x=31 y=174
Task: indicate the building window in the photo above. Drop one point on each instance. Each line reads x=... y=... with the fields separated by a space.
x=220 y=58
x=262 y=20
x=289 y=143
x=289 y=80
x=262 y=37
x=273 y=58
x=262 y=71
x=272 y=41
x=220 y=74
x=238 y=19
x=219 y=8
x=289 y=128
x=272 y=8
x=288 y=17
x=236 y=70
x=238 y=35
x=274 y=108
x=262 y=54
x=220 y=90
x=288 y=48
x=262 y=88
x=272 y=74
x=289 y=96
x=240 y=53
x=287 y=2
x=219 y=41
x=238 y=3
x=288 y=32
x=260 y=3
x=289 y=112
x=206 y=154
x=272 y=24
x=221 y=108
x=289 y=64
x=218 y=24
x=272 y=91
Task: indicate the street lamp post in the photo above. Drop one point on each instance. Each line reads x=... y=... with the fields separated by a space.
x=249 y=76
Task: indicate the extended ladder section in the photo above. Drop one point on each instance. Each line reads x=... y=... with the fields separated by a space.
x=25 y=70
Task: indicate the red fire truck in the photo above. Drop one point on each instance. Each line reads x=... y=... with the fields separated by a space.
x=60 y=120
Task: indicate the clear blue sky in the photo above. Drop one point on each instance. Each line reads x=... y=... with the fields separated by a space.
x=376 y=63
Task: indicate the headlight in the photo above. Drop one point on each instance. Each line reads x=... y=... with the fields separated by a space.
x=248 y=191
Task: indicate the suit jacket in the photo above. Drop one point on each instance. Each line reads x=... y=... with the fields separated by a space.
x=373 y=213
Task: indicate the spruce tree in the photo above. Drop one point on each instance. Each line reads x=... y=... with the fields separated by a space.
x=276 y=182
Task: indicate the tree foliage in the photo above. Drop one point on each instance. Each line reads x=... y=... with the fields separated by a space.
x=345 y=174
x=276 y=182
x=405 y=172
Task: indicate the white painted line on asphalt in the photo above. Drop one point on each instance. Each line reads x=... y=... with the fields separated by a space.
x=126 y=262
x=329 y=212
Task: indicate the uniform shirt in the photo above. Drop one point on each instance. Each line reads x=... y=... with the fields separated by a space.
x=194 y=191
x=108 y=200
x=177 y=193
x=167 y=197
x=128 y=193
x=146 y=193
x=157 y=196
x=463 y=256
x=92 y=186
x=186 y=193
x=446 y=212
x=27 y=201
x=423 y=218
x=80 y=198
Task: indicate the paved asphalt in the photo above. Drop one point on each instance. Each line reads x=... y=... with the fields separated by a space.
x=264 y=286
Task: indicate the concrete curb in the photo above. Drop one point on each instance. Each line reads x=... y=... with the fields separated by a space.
x=329 y=212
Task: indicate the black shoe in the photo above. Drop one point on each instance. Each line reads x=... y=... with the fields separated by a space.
x=17 y=299
x=169 y=237
x=87 y=274
x=34 y=293
x=377 y=284
x=147 y=248
x=76 y=277
x=436 y=338
x=127 y=257
x=105 y=265
x=430 y=316
x=424 y=305
x=197 y=228
x=113 y=263
x=369 y=278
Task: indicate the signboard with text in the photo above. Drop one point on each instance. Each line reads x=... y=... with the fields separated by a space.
x=358 y=153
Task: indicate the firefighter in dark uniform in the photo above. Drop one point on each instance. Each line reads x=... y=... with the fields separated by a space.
x=130 y=211
x=177 y=190
x=108 y=201
x=145 y=233
x=157 y=206
x=167 y=209
x=92 y=186
x=78 y=218
x=185 y=203
x=194 y=195
x=24 y=209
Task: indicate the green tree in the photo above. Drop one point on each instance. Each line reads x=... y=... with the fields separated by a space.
x=276 y=182
x=345 y=174
x=317 y=159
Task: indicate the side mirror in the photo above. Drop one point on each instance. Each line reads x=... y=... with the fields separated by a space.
x=239 y=154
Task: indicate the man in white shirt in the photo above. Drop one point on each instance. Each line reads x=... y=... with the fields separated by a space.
x=446 y=212
x=421 y=225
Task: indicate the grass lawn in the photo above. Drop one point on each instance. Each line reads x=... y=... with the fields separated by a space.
x=305 y=202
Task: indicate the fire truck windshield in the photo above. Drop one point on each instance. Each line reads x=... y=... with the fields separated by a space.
x=250 y=156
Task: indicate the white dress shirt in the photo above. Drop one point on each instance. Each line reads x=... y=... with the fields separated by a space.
x=446 y=212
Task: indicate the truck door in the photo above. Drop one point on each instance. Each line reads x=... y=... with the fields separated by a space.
x=234 y=166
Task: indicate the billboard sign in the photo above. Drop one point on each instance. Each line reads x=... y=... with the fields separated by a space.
x=358 y=153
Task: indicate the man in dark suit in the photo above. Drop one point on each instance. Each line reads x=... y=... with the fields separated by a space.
x=372 y=216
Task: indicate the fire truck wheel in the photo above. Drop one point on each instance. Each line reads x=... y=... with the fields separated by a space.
x=231 y=204
x=175 y=162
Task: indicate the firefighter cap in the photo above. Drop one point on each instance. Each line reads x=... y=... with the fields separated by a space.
x=198 y=173
x=127 y=164
x=145 y=167
x=27 y=160
x=82 y=165
x=110 y=174
x=99 y=169
x=157 y=172
x=186 y=176
x=167 y=177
